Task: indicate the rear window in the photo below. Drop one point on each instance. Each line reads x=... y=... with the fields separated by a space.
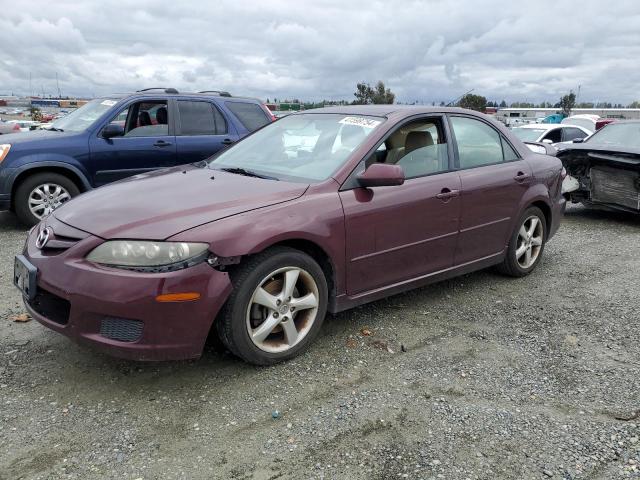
x=249 y=114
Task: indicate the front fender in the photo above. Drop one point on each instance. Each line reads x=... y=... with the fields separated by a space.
x=317 y=218
x=52 y=160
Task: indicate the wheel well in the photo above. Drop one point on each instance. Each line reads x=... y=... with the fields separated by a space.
x=547 y=213
x=22 y=176
x=319 y=255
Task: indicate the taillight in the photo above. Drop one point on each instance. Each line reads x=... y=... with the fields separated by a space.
x=271 y=115
x=16 y=127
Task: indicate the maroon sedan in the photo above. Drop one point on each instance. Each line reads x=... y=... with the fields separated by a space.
x=322 y=210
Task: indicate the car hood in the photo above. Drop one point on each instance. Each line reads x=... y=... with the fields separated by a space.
x=601 y=154
x=160 y=204
x=33 y=137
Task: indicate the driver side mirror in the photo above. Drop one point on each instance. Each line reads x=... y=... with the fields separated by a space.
x=381 y=175
x=547 y=140
x=578 y=140
x=113 y=130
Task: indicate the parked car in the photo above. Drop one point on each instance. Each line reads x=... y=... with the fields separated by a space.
x=9 y=127
x=258 y=243
x=606 y=167
x=116 y=137
x=550 y=133
x=25 y=125
x=586 y=121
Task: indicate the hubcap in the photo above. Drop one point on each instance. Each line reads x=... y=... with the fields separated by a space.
x=282 y=309
x=529 y=242
x=45 y=198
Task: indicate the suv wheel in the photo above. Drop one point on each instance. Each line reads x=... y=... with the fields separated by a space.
x=526 y=245
x=277 y=306
x=40 y=194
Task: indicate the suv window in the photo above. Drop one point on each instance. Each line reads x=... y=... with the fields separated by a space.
x=144 y=119
x=478 y=143
x=200 y=118
x=249 y=114
x=571 y=133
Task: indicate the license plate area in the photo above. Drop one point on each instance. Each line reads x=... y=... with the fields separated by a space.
x=25 y=276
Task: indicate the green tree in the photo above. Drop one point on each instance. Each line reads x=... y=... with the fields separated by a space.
x=503 y=104
x=568 y=103
x=473 y=102
x=365 y=94
x=635 y=104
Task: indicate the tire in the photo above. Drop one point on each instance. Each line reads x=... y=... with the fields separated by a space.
x=246 y=309
x=26 y=192
x=516 y=263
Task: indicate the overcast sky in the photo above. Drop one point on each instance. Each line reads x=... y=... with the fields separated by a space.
x=424 y=50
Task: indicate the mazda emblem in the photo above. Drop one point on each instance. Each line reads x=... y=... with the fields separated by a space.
x=43 y=237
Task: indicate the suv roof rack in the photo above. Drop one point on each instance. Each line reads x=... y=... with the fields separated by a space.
x=222 y=93
x=165 y=90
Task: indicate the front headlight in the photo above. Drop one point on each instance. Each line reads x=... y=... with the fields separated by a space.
x=148 y=256
x=4 y=150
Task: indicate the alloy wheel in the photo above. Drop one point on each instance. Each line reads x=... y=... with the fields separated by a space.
x=282 y=310
x=45 y=198
x=529 y=245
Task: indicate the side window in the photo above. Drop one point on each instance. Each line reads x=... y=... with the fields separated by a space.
x=200 y=118
x=508 y=152
x=249 y=114
x=571 y=133
x=478 y=143
x=144 y=119
x=554 y=135
x=419 y=147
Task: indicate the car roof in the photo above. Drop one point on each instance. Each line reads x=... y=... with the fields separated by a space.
x=388 y=110
x=179 y=95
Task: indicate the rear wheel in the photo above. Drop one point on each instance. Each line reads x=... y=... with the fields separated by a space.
x=277 y=306
x=526 y=244
x=40 y=194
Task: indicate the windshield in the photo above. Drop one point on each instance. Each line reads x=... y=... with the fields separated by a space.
x=617 y=134
x=528 y=134
x=301 y=147
x=84 y=116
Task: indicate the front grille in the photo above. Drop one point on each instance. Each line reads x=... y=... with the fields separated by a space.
x=121 y=329
x=51 y=306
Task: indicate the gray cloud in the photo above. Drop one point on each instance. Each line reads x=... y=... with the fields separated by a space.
x=424 y=50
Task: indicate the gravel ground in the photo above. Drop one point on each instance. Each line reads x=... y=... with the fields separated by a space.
x=481 y=377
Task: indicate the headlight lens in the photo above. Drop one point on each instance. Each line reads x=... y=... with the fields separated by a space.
x=4 y=150
x=148 y=256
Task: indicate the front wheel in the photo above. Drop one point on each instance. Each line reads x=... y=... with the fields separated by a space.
x=40 y=194
x=277 y=306
x=526 y=245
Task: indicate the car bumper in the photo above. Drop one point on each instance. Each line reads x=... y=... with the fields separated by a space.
x=5 y=202
x=116 y=312
x=557 y=215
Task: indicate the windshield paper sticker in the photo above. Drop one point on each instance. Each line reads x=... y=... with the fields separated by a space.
x=361 y=122
x=108 y=103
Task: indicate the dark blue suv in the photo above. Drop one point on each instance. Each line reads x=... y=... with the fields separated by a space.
x=115 y=137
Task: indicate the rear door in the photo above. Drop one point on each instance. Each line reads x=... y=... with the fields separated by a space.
x=201 y=130
x=493 y=180
x=148 y=142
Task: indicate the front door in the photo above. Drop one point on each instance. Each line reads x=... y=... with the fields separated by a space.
x=493 y=180
x=398 y=233
x=148 y=143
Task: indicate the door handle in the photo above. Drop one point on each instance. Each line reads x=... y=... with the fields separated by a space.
x=162 y=143
x=227 y=141
x=447 y=194
x=521 y=177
